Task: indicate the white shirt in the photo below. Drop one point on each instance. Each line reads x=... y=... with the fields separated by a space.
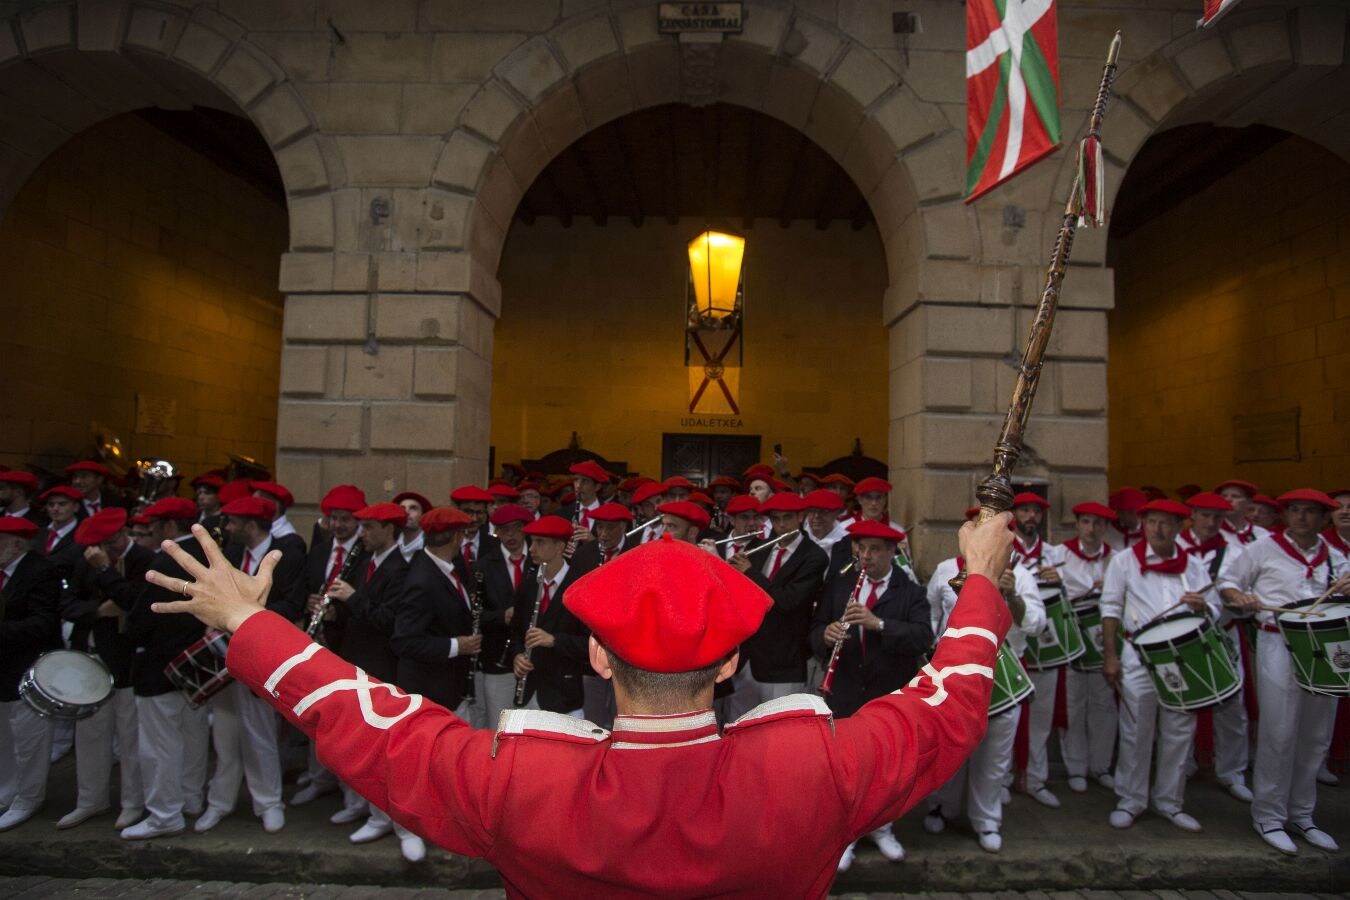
x=1119 y=540
x=1240 y=537
x=13 y=564
x=837 y=534
x=282 y=526
x=448 y=570
x=1263 y=568
x=347 y=547
x=1037 y=556
x=511 y=569
x=408 y=548
x=379 y=558
x=254 y=555
x=941 y=600
x=583 y=511
x=786 y=551
x=1134 y=597
x=1079 y=576
x=741 y=542
x=652 y=532
x=19 y=513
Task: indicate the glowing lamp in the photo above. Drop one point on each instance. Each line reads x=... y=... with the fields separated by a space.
x=715 y=276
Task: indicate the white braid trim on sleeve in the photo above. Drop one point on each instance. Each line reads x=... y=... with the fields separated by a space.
x=971 y=631
x=938 y=676
x=284 y=669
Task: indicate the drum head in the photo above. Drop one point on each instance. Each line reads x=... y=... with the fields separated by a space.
x=72 y=677
x=1334 y=611
x=1169 y=629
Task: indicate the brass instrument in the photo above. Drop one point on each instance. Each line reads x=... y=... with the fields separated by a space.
x=349 y=568
x=827 y=683
x=159 y=479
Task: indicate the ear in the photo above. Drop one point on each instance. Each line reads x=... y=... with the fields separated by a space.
x=599 y=658
x=728 y=668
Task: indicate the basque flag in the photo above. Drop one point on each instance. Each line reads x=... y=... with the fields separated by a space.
x=1012 y=89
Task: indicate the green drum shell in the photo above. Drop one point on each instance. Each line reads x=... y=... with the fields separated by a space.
x=1011 y=684
x=1069 y=644
x=1088 y=612
x=1317 y=645
x=1206 y=656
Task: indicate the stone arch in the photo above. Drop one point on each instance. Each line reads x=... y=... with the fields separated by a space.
x=84 y=62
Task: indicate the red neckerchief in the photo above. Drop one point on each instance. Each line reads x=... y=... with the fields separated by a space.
x=1333 y=537
x=1321 y=556
x=1073 y=547
x=1036 y=552
x=1129 y=535
x=1210 y=545
x=1174 y=566
x=1245 y=536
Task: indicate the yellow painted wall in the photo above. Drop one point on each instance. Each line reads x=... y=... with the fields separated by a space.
x=1237 y=301
x=591 y=340
x=129 y=263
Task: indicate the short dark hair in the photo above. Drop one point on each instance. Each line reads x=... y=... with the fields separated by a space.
x=442 y=538
x=663 y=688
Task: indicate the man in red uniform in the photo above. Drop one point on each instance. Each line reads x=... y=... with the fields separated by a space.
x=762 y=808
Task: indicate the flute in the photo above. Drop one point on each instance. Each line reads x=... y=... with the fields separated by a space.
x=827 y=683
x=645 y=525
x=775 y=542
x=733 y=539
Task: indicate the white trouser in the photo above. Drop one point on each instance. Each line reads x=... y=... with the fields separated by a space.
x=1230 y=728
x=1090 y=739
x=25 y=755
x=1293 y=735
x=1142 y=718
x=751 y=693
x=599 y=700
x=495 y=694
x=379 y=818
x=244 y=734
x=172 y=750
x=982 y=776
x=94 y=753
x=1042 y=712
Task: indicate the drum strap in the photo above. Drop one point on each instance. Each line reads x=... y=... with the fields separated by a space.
x=1266 y=626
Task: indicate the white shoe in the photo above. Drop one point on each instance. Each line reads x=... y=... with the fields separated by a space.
x=1277 y=838
x=1121 y=818
x=1004 y=796
x=846 y=860
x=368 y=832
x=933 y=823
x=273 y=820
x=1240 y=791
x=14 y=817
x=79 y=817
x=210 y=819
x=1327 y=777
x=991 y=841
x=145 y=830
x=1045 y=797
x=1105 y=779
x=413 y=848
x=1184 y=821
x=1077 y=784
x=1315 y=836
x=890 y=848
x=348 y=815
x=310 y=793
x=129 y=817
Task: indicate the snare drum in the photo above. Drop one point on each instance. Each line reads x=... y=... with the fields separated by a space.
x=199 y=671
x=1190 y=661
x=66 y=684
x=1088 y=612
x=1060 y=641
x=1011 y=684
x=1320 y=645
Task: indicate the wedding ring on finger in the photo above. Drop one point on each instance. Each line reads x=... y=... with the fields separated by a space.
x=184 y=589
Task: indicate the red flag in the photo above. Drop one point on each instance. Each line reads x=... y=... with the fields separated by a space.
x=1214 y=9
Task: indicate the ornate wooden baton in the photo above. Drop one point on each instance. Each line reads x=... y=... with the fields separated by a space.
x=995 y=492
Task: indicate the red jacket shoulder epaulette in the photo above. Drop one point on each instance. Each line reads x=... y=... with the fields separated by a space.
x=549 y=725
x=793 y=706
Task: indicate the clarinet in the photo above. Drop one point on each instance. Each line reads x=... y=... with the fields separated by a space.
x=505 y=660
x=828 y=681
x=572 y=541
x=520 y=682
x=476 y=607
x=354 y=559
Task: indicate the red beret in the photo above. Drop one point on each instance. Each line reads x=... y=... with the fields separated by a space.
x=470 y=493
x=414 y=497
x=778 y=486
x=1127 y=499
x=285 y=497
x=555 y=527
x=1186 y=490
x=1251 y=489
x=759 y=470
x=809 y=475
x=383 y=512
x=866 y=528
x=630 y=484
x=250 y=508
x=503 y=492
x=1263 y=500
x=868 y=485
x=682 y=608
x=1093 y=508
x=208 y=479
x=528 y=486
x=1209 y=500
x=974 y=511
x=1334 y=492
x=589 y=468
x=440 y=519
x=724 y=481
x=784 y=502
x=701 y=498
x=86 y=465
x=22 y=527
x=510 y=512
x=836 y=478
x=679 y=481
x=1153 y=492
x=233 y=490
x=648 y=491
x=171 y=508
x=101 y=526
x=24 y=479
x=824 y=498
x=139 y=519
x=1308 y=495
x=62 y=490
x=1171 y=507
x=1027 y=497
x=346 y=497
x=612 y=512
x=690 y=512
x=742 y=503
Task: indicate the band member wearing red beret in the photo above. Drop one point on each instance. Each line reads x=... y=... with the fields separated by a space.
x=89 y=478
x=410 y=538
x=503 y=572
x=56 y=540
x=646 y=499
x=284 y=500
x=629 y=796
x=1125 y=531
x=611 y=524
x=548 y=644
x=206 y=491
x=30 y=625
x=1265 y=513
x=1237 y=526
x=822 y=519
x=17 y=490
x=474 y=501
x=587 y=478
x=1295 y=727
x=747 y=528
x=880 y=623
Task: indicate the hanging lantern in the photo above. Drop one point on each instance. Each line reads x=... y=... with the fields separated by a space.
x=715 y=278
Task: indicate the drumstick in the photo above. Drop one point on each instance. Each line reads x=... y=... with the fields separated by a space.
x=1123 y=705
x=1318 y=601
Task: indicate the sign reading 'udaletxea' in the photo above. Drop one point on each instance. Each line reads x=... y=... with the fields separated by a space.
x=678 y=18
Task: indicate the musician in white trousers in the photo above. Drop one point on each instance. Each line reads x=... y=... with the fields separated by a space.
x=1295 y=728
x=1152 y=578
x=982 y=775
x=1089 y=741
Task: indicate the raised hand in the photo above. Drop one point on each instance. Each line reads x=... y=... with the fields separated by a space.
x=218 y=594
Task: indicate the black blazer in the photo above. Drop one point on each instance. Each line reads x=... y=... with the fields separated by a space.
x=430 y=613
x=893 y=655
x=487 y=544
x=366 y=619
x=777 y=651
x=160 y=637
x=31 y=623
x=282 y=599
x=499 y=595
x=86 y=591
x=65 y=554
x=587 y=555
x=557 y=669
x=313 y=577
